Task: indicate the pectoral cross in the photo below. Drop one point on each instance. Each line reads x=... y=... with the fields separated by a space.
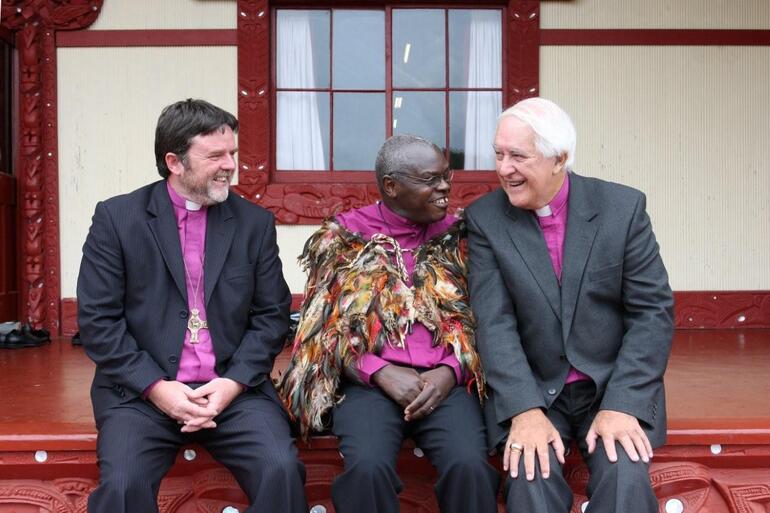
x=195 y=324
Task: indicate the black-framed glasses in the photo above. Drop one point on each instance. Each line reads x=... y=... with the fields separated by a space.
x=432 y=182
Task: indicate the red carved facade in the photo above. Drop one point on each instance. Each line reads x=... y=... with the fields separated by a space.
x=35 y=23
x=202 y=485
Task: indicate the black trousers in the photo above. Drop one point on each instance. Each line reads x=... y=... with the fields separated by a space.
x=137 y=445
x=371 y=428
x=623 y=486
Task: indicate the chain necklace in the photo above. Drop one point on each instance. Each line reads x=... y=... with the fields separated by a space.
x=195 y=323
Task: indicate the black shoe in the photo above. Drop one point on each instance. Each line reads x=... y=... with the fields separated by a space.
x=15 y=339
x=40 y=336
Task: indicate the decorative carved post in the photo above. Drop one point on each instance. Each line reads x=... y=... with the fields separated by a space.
x=523 y=25
x=35 y=23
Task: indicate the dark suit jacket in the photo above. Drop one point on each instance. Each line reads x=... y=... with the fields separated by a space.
x=612 y=317
x=132 y=296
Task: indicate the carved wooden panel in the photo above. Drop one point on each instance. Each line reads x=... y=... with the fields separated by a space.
x=738 y=309
x=203 y=486
x=35 y=23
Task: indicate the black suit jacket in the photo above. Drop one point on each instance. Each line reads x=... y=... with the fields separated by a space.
x=612 y=317
x=132 y=296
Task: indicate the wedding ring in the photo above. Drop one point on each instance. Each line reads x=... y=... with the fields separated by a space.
x=431 y=408
x=515 y=446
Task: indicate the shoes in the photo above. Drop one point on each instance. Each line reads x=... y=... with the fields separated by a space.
x=40 y=336
x=25 y=336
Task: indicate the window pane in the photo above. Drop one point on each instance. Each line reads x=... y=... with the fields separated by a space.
x=359 y=129
x=302 y=49
x=421 y=114
x=418 y=48
x=475 y=48
x=473 y=120
x=358 y=50
x=302 y=130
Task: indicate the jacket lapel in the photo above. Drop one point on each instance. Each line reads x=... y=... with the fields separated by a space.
x=529 y=242
x=578 y=240
x=164 y=229
x=220 y=230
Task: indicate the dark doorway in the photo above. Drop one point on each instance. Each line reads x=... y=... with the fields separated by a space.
x=9 y=290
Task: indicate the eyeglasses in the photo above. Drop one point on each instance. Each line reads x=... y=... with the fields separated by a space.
x=433 y=182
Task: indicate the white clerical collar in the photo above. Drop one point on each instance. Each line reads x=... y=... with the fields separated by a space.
x=191 y=205
x=543 y=211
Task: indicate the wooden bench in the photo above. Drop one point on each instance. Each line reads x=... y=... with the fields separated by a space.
x=717 y=457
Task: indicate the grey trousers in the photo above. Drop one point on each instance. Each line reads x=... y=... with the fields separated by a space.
x=138 y=444
x=623 y=486
x=371 y=429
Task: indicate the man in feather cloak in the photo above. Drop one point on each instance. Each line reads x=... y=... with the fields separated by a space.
x=385 y=345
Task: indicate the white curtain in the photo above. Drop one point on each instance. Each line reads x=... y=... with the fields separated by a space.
x=299 y=144
x=484 y=70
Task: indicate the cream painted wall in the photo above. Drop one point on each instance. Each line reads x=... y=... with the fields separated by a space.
x=684 y=124
x=166 y=14
x=688 y=126
x=109 y=100
x=659 y=14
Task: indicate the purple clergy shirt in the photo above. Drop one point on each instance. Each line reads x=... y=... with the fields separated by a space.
x=196 y=364
x=418 y=348
x=553 y=223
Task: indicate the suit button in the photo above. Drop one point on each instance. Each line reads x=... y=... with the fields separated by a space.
x=172 y=359
x=562 y=357
x=183 y=314
x=551 y=391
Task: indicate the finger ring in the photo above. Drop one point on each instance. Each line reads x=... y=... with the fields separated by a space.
x=431 y=408
x=515 y=446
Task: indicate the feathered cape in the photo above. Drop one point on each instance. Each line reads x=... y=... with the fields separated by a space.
x=356 y=301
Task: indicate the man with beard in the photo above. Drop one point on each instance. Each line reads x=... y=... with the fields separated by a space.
x=183 y=319
x=385 y=341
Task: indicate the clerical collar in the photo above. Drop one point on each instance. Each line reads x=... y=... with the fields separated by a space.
x=181 y=202
x=558 y=202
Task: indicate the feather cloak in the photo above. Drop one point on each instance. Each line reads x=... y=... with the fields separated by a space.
x=356 y=301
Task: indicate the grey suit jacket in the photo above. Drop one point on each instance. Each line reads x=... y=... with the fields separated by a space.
x=612 y=317
x=132 y=296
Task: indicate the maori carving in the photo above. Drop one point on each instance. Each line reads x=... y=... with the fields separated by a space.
x=524 y=50
x=35 y=23
x=723 y=309
x=310 y=203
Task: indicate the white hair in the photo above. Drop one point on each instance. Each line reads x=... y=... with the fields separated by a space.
x=554 y=132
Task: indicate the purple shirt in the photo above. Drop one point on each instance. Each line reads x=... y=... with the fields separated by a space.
x=553 y=222
x=418 y=348
x=197 y=361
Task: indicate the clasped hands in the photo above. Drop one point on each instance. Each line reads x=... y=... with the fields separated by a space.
x=419 y=394
x=194 y=409
x=531 y=433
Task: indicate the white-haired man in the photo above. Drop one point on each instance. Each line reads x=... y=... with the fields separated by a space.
x=574 y=317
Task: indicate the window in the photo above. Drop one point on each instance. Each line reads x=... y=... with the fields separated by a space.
x=346 y=79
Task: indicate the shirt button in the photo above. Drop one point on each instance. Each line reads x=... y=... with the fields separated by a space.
x=183 y=314
x=172 y=359
x=551 y=391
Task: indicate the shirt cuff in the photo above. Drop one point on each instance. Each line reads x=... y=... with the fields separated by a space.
x=451 y=362
x=147 y=390
x=367 y=365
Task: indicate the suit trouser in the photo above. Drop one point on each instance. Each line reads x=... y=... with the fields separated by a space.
x=138 y=444
x=623 y=486
x=371 y=428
